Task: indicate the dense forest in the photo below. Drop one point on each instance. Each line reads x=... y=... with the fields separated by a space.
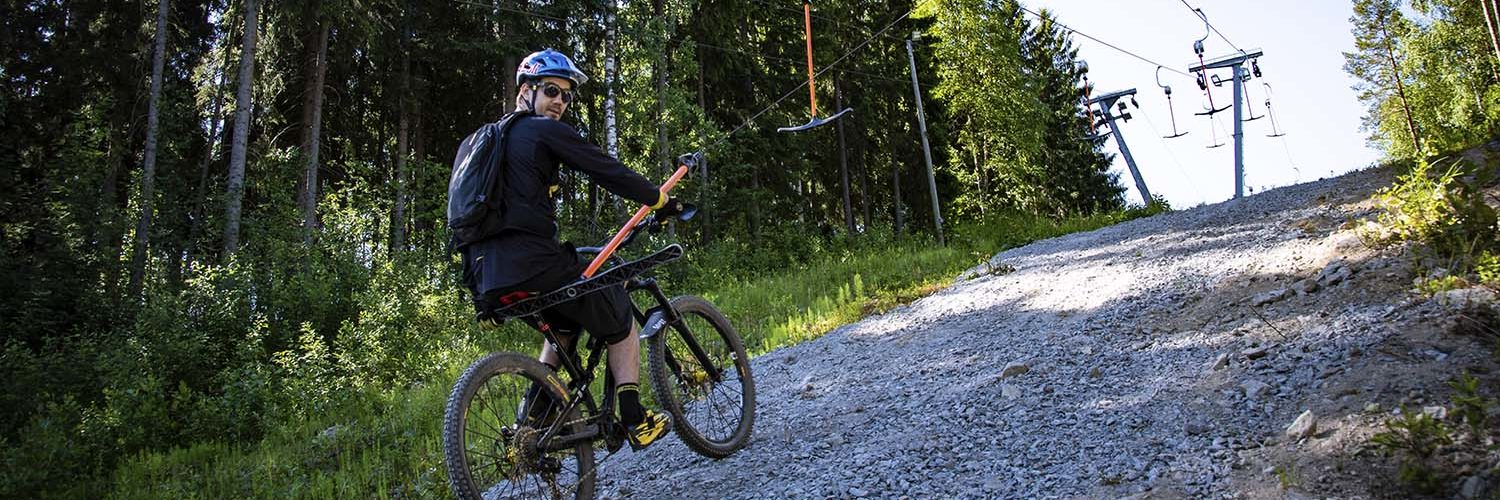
x=222 y=219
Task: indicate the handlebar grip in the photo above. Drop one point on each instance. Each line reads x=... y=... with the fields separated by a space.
x=690 y=160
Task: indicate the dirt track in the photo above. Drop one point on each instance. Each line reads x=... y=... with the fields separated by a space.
x=1163 y=358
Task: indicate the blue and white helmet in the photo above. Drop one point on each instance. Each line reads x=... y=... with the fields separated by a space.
x=548 y=62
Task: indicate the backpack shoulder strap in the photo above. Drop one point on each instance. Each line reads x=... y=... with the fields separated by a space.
x=498 y=135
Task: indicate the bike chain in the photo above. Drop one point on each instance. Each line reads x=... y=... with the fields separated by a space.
x=598 y=464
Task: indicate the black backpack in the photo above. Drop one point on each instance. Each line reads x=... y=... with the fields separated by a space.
x=476 y=210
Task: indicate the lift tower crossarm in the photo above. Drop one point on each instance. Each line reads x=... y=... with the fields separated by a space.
x=1106 y=103
x=1111 y=97
x=1231 y=60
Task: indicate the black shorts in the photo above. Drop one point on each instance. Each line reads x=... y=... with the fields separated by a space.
x=605 y=314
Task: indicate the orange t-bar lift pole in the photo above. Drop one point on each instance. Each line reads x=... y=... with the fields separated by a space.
x=614 y=243
x=812 y=93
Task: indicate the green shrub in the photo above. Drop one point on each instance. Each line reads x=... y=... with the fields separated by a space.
x=1469 y=406
x=1415 y=436
x=1440 y=284
x=1487 y=268
x=1444 y=212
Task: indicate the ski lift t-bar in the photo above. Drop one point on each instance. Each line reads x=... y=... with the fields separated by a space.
x=685 y=161
x=1167 y=89
x=812 y=89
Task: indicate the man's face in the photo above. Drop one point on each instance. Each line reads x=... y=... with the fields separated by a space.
x=552 y=96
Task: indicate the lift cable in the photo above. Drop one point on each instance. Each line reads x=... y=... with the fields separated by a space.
x=1107 y=44
x=1199 y=12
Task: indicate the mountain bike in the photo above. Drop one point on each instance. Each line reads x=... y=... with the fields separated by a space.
x=514 y=429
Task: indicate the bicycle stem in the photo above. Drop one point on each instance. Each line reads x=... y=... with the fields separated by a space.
x=614 y=243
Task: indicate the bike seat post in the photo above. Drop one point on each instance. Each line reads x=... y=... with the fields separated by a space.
x=608 y=408
x=568 y=356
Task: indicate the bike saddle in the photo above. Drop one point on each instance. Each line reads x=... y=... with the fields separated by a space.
x=615 y=276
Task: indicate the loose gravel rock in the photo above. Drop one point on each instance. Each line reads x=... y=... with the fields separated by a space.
x=1305 y=425
x=1116 y=326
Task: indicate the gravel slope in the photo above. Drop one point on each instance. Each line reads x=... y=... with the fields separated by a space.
x=1162 y=357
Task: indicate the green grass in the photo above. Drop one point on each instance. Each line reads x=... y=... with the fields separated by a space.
x=387 y=443
x=385 y=448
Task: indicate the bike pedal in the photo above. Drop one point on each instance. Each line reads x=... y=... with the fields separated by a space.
x=615 y=438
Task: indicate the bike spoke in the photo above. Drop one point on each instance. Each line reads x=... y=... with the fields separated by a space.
x=494 y=438
x=484 y=405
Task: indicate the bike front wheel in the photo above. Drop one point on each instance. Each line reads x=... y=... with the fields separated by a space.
x=494 y=431
x=700 y=373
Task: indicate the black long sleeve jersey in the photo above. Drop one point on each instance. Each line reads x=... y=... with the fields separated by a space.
x=537 y=147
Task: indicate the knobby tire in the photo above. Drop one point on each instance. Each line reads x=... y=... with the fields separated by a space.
x=471 y=426
x=703 y=411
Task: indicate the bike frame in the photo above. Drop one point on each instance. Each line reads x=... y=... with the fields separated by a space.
x=581 y=375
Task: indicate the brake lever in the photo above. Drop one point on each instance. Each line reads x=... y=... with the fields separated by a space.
x=688 y=211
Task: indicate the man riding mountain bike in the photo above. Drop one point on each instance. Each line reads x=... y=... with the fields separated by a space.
x=526 y=257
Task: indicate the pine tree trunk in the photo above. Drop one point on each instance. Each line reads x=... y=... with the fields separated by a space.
x=1411 y=125
x=420 y=205
x=663 y=154
x=236 y=191
x=398 y=209
x=110 y=232
x=1494 y=40
x=754 y=222
x=705 y=219
x=838 y=97
x=310 y=48
x=896 y=196
x=864 y=186
x=148 y=174
x=508 y=64
x=314 y=139
x=215 y=142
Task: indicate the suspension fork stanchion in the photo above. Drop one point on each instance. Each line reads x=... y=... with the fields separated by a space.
x=676 y=321
x=669 y=316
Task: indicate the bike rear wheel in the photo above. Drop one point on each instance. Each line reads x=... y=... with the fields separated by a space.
x=708 y=389
x=491 y=434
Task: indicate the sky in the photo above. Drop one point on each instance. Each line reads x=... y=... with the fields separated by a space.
x=1310 y=94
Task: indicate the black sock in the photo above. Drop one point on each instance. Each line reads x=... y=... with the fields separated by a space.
x=629 y=398
x=540 y=401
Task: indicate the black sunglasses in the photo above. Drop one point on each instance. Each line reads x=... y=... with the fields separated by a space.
x=552 y=90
